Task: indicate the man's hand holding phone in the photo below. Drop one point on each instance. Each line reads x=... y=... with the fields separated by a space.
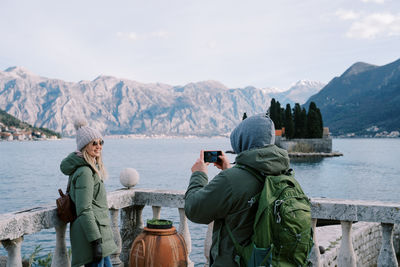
x=223 y=162
x=217 y=157
x=200 y=165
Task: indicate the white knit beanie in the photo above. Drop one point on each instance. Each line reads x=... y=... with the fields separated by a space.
x=85 y=134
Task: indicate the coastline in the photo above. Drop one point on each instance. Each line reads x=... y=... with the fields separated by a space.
x=164 y=136
x=315 y=154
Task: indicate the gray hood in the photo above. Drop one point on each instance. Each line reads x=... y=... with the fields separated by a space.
x=254 y=132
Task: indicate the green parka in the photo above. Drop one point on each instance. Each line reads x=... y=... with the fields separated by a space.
x=89 y=195
x=227 y=199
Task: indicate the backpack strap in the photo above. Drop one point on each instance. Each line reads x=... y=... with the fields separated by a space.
x=69 y=184
x=256 y=174
x=261 y=177
x=238 y=247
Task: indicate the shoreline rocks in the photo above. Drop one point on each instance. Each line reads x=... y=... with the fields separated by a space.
x=314 y=154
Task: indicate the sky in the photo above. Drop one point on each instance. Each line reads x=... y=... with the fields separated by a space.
x=259 y=43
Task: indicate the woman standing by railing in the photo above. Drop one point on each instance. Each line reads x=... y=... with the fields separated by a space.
x=90 y=234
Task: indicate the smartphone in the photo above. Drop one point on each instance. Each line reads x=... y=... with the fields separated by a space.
x=212 y=156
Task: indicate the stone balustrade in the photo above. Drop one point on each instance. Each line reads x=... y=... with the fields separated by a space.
x=349 y=211
x=126 y=206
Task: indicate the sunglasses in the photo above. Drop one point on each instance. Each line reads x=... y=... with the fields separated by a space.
x=95 y=143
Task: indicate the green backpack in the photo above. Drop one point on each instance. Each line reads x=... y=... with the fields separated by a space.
x=282 y=228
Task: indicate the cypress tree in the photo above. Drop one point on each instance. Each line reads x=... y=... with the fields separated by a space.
x=278 y=118
x=300 y=123
x=320 y=124
x=272 y=113
x=275 y=112
x=314 y=122
x=303 y=123
x=282 y=117
x=289 y=124
x=297 y=121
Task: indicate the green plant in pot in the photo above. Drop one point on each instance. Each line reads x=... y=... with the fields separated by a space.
x=159 y=224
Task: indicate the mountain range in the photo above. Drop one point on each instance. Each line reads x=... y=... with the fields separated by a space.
x=122 y=106
x=364 y=100
x=299 y=92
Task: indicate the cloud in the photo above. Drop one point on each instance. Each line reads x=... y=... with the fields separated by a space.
x=346 y=14
x=159 y=34
x=375 y=25
x=212 y=44
x=132 y=36
x=127 y=35
x=374 y=1
x=370 y=26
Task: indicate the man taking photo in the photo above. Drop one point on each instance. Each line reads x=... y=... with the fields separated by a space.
x=229 y=197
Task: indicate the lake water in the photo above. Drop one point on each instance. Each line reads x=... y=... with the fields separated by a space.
x=30 y=175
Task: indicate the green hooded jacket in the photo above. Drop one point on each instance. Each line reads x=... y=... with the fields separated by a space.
x=90 y=197
x=227 y=199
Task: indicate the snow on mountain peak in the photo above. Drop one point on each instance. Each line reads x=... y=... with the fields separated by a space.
x=298 y=92
x=306 y=83
x=272 y=90
x=20 y=71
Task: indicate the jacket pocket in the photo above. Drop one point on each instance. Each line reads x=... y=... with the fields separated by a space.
x=103 y=222
x=102 y=218
x=260 y=257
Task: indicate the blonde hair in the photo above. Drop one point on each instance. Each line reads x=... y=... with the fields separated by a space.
x=96 y=163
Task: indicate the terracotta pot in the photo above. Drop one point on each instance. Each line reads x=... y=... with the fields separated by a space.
x=158 y=248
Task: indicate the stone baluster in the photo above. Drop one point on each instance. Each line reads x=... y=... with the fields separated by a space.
x=13 y=248
x=346 y=257
x=60 y=257
x=208 y=243
x=115 y=260
x=387 y=255
x=132 y=225
x=315 y=256
x=184 y=231
x=139 y=220
x=156 y=212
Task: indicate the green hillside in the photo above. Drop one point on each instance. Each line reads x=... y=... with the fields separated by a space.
x=10 y=121
x=363 y=101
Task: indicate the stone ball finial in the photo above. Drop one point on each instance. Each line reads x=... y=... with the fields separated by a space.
x=129 y=177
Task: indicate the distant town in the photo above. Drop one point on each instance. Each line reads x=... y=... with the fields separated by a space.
x=11 y=133
x=374 y=132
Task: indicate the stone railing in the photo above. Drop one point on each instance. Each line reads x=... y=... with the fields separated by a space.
x=349 y=211
x=128 y=204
